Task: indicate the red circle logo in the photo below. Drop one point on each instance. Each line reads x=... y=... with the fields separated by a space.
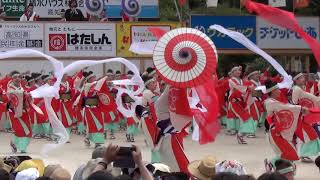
x=306 y=103
x=57 y=42
x=285 y=118
x=14 y=100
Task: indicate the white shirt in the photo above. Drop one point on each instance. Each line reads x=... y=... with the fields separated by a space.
x=24 y=17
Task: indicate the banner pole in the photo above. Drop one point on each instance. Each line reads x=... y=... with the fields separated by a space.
x=177 y=9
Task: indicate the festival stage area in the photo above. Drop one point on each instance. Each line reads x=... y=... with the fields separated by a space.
x=225 y=147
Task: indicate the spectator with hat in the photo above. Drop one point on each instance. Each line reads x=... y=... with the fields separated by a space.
x=203 y=169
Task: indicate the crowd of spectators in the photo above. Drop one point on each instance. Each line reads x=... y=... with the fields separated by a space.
x=101 y=167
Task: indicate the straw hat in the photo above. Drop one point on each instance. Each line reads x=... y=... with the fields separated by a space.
x=203 y=169
x=5 y=166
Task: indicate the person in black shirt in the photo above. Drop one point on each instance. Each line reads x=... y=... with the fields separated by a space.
x=74 y=14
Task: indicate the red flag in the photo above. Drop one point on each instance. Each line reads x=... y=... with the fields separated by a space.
x=208 y=123
x=157 y=32
x=301 y=3
x=284 y=19
x=178 y=101
x=180 y=112
x=182 y=2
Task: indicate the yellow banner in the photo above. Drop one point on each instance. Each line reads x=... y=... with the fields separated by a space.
x=129 y=32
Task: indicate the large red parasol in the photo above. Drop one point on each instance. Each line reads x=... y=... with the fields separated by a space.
x=185 y=57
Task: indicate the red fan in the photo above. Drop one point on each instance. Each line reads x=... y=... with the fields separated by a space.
x=185 y=57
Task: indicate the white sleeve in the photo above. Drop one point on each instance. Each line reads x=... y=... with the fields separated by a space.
x=240 y=88
x=22 y=18
x=298 y=94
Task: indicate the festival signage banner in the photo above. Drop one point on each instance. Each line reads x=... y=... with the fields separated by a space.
x=128 y=33
x=212 y=3
x=277 y=3
x=149 y=8
x=14 y=8
x=80 y=39
x=21 y=35
x=52 y=8
x=271 y=36
x=244 y=24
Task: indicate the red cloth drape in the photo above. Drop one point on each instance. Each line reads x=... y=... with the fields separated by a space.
x=157 y=32
x=284 y=19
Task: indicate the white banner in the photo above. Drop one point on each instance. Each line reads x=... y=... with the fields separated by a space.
x=270 y=36
x=21 y=35
x=212 y=3
x=142 y=34
x=277 y=3
x=52 y=8
x=80 y=39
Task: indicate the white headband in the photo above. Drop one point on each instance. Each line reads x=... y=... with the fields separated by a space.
x=15 y=75
x=254 y=72
x=47 y=78
x=297 y=76
x=30 y=80
x=149 y=81
x=272 y=88
x=235 y=68
x=88 y=77
x=152 y=73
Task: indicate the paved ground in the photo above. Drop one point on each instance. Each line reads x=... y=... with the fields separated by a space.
x=251 y=155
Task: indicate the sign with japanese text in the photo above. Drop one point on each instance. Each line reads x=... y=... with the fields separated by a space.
x=149 y=8
x=277 y=3
x=52 y=8
x=80 y=39
x=271 y=36
x=244 y=24
x=21 y=36
x=14 y=8
x=127 y=33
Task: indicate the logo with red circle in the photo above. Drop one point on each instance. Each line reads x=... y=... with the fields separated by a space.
x=14 y=100
x=57 y=42
x=285 y=119
x=305 y=102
